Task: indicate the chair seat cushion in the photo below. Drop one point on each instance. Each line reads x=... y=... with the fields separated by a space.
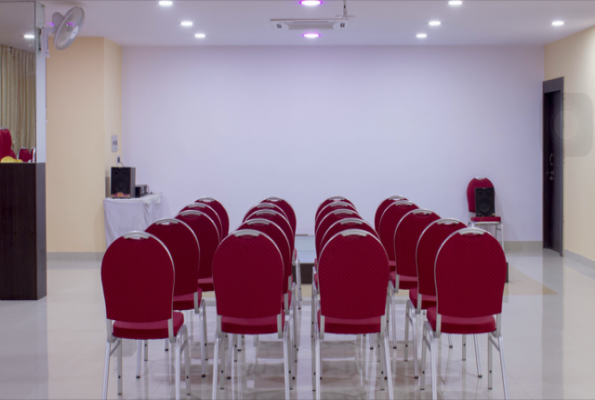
x=147 y=330
x=486 y=219
x=186 y=301
x=426 y=300
x=250 y=326
x=350 y=326
x=463 y=326
x=392 y=264
x=206 y=284
x=405 y=282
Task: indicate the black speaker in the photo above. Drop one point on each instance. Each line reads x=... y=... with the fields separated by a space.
x=484 y=202
x=123 y=182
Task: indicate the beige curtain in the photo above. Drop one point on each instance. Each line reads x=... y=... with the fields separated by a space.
x=17 y=96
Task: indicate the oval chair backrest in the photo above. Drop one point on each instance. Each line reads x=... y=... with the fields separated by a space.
x=353 y=276
x=248 y=276
x=210 y=211
x=221 y=212
x=207 y=234
x=184 y=249
x=287 y=209
x=279 y=219
x=137 y=274
x=476 y=183
x=346 y=224
x=6 y=143
x=407 y=235
x=331 y=200
x=273 y=231
x=335 y=205
x=470 y=274
x=266 y=206
x=382 y=206
x=24 y=155
x=327 y=221
x=426 y=250
x=388 y=224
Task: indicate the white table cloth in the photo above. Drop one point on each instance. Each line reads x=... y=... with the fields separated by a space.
x=125 y=215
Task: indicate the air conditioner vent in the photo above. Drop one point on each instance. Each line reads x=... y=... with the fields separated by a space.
x=310 y=24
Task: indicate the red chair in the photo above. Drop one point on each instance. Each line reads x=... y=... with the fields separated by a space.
x=476 y=221
x=183 y=246
x=353 y=274
x=278 y=219
x=137 y=273
x=388 y=225
x=383 y=205
x=266 y=206
x=221 y=212
x=336 y=205
x=470 y=271
x=331 y=200
x=205 y=208
x=24 y=155
x=249 y=309
x=328 y=220
x=5 y=144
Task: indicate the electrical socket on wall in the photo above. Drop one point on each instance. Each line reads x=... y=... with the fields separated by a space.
x=114 y=143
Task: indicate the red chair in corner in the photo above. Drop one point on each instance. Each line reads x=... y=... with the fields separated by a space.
x=476 y=221
x=383 y=206
x=470 y=273
x=205 y=208
x=254 y=309
x=183 y=246
x=141 y=311
x=221 y=212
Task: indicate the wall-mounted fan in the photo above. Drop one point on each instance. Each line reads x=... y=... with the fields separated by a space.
x=65 y=29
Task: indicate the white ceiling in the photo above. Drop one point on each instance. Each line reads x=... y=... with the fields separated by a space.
x=245 y=22
x=16 y=20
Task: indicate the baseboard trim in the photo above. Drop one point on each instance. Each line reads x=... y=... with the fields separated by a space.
x=75 y=256
x=578 y=258
x=522 y=246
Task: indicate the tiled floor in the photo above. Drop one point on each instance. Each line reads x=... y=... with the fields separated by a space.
x=53 y=348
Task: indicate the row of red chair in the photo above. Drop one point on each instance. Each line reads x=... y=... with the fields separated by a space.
x=25 y=155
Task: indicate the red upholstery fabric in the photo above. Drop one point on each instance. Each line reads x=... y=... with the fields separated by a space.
x=207 y=235
x=476 y=183
x=206 y=284
x=12 y=154
x=426 y=301
x=1 y=144
x=464 y=326
x=182 y=244
x=6 y=143
x=380 y=210
x=248 y=275
x=427 y=248
x=407 y=235
x=470 y=274
x=147 y=330
x=335 y=205
x=138 y=280
x=221 y=212
x=278 y=219
x=342 y=225
x=388 y=224
x=330 y=200
x=350 y=326
x=186 y=301
x=286 y=207
x=266 y=206
x=328 y=220
x=405 y=282
x=353 y=276
x=205 y=208
x=24 y=155
x=250 y=326
x=486 y=219
x=392 y=265
x=273 y=231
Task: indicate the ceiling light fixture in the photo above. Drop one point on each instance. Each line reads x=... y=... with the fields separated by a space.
x=186 y=23
x=455 y=3
x=312 y=35
x=166 y=3
x=200 y=36
x=310 y=3
x=421 y=36
x=435 y=23
x=557 y=23
x=29 y=36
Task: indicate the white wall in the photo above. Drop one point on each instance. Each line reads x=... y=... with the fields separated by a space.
x=243 y=123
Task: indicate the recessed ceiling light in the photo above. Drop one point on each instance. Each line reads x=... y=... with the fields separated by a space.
x=200 y=36
x=558 y=23
x=421 y=36
x=312 y=35
x=29 y=36
x=310 y=3
x=186 y=23
x=435 y=23
x=455 y=3
x=166 y=3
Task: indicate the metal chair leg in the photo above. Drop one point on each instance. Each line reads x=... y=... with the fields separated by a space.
x=464 y=347
x=406 y=358
x=449 y=341
x=146 y=350
x=216 y=366
x=318 y=366
x=176 y=347
x=139 y=351
x=489 y=361
x=203 y=342
x=389 y=376
x=108 y=350
x=477 y=356
x=424 y=346
x=230 y=348
x=187 y=363
x=286 y=344
x=503 y=367
x=119 y=351
x=433 y=362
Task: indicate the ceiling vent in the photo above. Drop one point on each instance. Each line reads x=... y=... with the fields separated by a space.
x=310 y=24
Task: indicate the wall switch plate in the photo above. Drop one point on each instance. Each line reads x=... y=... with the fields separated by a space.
x=114 y=143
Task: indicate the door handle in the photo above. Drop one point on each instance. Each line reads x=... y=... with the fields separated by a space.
x=552 y=159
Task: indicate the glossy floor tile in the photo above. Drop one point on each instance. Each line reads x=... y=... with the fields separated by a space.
x=54 y=348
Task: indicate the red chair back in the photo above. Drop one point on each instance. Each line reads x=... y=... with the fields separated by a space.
x=328 y=220
x=137 y=274
x=426 y=250
x=331 y=200
x=385 y=203
x=207 y=235
x=248 y=276
x=476 y=183
x=353 y=275
x=287 y=209
x=273 y=231
x=24 y=155
x=278 y=219
x=470 y=275
x=388 y=224
x=183 y=247
x=346 y=224
x=335 y=205
x=407 y=235
x=221 y=212
x=6 y=143
x=266 y=206
x=205 y=208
